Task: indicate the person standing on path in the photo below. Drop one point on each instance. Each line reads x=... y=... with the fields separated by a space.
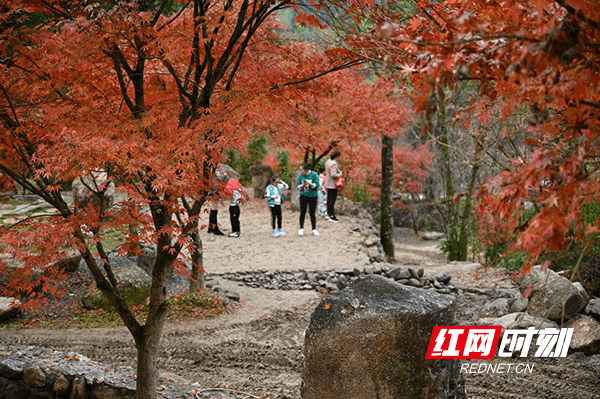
x=308 y=184
x=332 y=174
x=274 y=196
x=236 y=190
x=322 y=198
x=213 y=224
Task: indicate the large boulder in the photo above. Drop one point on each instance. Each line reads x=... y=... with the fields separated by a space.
x=230 y=171
x=586 y=334
x=70 y=262
x=9 y=307
x=294 y=192
x=261 y=175
x=370 y=340
x=96 y=181
x=147 y=258
x=134 y=284
x=550 y=292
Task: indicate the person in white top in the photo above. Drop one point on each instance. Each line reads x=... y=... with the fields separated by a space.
x=274 y=196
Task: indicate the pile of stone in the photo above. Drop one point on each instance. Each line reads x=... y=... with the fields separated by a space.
x=545 y=299
x=30 y=372
x=335 y=280
x=371 y=238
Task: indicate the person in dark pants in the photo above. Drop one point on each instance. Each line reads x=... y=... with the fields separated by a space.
x=332 y=173
x=274 y=196
x=213 y=224
x=236 y=189
x=308 y=184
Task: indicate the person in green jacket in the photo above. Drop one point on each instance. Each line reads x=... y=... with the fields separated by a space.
x=308 y=184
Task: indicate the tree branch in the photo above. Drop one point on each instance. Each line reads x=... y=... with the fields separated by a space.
x=348 y=64
x=578 y=13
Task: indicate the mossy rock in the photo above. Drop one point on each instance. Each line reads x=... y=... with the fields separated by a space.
x=134 y=285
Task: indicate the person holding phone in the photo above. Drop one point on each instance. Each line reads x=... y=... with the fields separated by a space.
x=308 y=184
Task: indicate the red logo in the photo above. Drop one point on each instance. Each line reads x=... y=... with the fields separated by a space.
x=463 y=342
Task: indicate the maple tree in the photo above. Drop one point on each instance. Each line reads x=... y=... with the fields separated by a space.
x=151 y=94
x=538 y=54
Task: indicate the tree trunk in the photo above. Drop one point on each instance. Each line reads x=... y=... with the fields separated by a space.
x=451 y=208
x=147 y=377
x=197 y=281
x=387 y=188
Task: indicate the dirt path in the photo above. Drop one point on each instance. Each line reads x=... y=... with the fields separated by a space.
x=258 y=347
x=256 y=249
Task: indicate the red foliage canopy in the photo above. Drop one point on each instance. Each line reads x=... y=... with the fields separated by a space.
x=538 y=54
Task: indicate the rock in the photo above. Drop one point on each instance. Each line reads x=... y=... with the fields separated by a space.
x=69 y=263
x=517 y=321
x=593 y=308
x=369 y=270
x=369 y=341
x=261 y=175
x=104 y=392
x=15 y=390
x=11 y=369
x=342 y=282
x=34 y=377
x=519 y=304
x=96 y=181
x=11 y=265
x=9 y=307
x=415 y=282
x=586 y=334
x=377 y=268
x=582 y=291
x=496 y=308
x=443 y=277
x=375 y=254
x=133 y=283
x=234 y=296
x=399 y=273
x=433 y=235
x=146 y=258
x=79 y=389
x=371 y=240
x=229 y=170
x=61 y=385
x=549 y=292
x=414 y=273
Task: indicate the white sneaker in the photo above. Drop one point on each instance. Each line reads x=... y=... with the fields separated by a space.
x=315 y=233
x=301 y=232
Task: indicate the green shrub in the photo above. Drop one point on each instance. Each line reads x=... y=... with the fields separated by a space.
x=257 y=150
x=132 y=295
x=283 y=166
x=358 y=193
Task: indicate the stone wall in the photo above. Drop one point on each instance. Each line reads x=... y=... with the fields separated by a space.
x=29 y=372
